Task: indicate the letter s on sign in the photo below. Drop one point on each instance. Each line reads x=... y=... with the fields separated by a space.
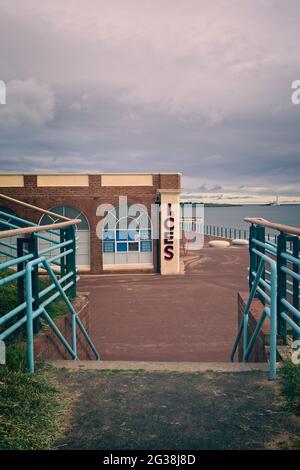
x=296 y=95
x=169 y=254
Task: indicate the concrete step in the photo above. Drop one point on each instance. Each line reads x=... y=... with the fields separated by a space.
x=161 y=366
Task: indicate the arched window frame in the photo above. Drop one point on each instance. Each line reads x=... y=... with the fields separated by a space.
x=83 y=227
x=78 y=214
x=127 y=239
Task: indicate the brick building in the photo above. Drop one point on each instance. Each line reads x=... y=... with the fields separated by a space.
x=105 y=249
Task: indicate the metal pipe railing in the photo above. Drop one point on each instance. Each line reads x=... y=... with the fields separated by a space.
x=281 y=303
x=270 y=311
x=37 y=228
x=214 y=230
x=27 y=264
x=259 y=221
x=32 y=207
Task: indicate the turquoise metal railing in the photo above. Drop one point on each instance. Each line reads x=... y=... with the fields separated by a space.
x=214 y=230
x=273 y=279
x=24 y=264
x=222 y=231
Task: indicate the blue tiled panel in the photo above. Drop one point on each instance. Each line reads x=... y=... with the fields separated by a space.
x=121 y=246
x=108 y=247
x=146 y=246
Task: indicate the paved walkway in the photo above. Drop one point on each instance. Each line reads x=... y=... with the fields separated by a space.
x=181 y=411
x=191 y=317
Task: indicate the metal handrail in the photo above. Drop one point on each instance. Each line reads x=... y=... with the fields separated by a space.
x=270 y=312
x=214 y=230
x=278 y=292
x=32 y=207
x=34 y=305
x=31 y=314
x=33 y=227
x=37 y=228
x=279 y=227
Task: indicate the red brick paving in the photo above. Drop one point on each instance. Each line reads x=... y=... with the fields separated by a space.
x=190 y=317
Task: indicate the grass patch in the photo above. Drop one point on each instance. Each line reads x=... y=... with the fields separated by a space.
x=31 y=410
x=290 y=382
x=31 y=406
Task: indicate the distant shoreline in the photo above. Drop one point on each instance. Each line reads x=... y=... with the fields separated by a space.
x=213 y=204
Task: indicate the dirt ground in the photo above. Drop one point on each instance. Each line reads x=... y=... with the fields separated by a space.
x=183 y=411
x=190 y=317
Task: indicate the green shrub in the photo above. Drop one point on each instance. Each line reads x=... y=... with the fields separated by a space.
x=290 y=381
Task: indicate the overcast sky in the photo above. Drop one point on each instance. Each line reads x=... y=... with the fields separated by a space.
x=202 y=87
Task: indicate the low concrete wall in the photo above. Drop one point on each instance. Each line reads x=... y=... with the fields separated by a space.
x=48 y=347
x=259 y=351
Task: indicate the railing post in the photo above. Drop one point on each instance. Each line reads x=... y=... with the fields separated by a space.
x=20 y=280
x=281 y=285
x=296 y=249
x=33 y=249
x=260 y=235
x=74 y=336
x=252 y=256
x=29 y=321
x=273 y=321
x=62 y=235
x=71 y=259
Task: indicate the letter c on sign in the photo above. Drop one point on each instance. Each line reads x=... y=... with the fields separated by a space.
x=168 y=222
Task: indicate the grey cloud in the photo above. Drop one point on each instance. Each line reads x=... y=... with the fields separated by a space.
x=197 y=87
x=29 y=104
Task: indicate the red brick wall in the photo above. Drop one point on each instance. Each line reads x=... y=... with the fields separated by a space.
x=48 y=347
x=259 y=352
x=170 y=181
x=87 y=199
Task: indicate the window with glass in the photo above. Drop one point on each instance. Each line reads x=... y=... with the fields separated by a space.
x=127 y=238
x=82 y=233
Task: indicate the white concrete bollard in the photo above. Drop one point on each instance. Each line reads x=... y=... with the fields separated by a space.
x=218 y=243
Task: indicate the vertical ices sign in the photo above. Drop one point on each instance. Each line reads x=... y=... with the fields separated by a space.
x=2 y=92
x=169 y=231
x=169 y=234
